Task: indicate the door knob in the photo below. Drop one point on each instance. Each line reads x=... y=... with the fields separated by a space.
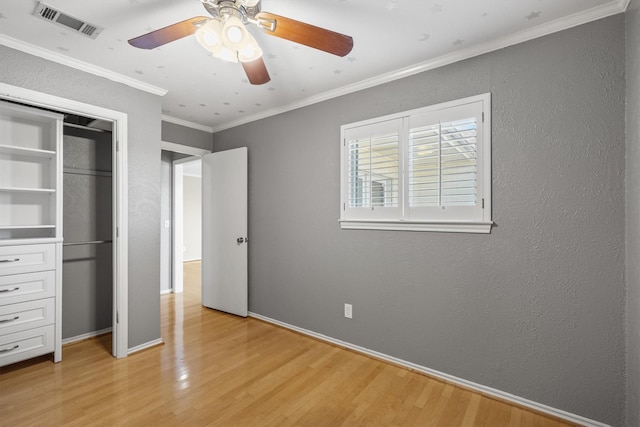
x=240 y=240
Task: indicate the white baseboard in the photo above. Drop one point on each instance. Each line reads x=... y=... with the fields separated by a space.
x=487 y=391
x=165 y=291
x=145 y=346
x=85 y=336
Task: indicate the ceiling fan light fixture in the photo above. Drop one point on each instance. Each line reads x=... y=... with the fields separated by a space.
x=227 y=54
x=250 y=52
x=234 y=34
x=209 y=35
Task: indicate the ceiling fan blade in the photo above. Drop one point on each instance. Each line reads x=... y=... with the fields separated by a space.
x=256 y=71
x=306 y=34
x=168 y=34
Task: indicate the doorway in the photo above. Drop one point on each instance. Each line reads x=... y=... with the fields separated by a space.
x=181 y=222
x=174 y=272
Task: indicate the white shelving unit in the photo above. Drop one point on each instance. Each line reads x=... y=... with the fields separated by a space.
x=30 y=233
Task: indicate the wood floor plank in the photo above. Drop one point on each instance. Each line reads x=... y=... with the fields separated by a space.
x=220 y=370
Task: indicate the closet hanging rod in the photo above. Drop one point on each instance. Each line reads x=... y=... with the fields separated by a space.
x=92 y=242
x=73 y=125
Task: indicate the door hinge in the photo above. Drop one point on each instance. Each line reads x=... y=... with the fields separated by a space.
x=344 y=142
x=482 y=203
x=483 y=117
x=344 y=206
x=117 y=317
x=117 y=145
x=117 y=232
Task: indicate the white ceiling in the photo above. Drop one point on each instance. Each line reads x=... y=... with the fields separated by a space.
x=392 y=39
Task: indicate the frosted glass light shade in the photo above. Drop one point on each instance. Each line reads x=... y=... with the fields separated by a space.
x=234 y=34
x=210 y=37
x=251 y=51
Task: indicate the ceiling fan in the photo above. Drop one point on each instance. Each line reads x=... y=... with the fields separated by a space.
x=224 y=34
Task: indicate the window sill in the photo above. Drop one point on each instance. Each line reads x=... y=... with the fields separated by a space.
x=443 y=227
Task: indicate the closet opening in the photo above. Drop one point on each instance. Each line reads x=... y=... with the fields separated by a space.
x=87 y=261
x=94 y=247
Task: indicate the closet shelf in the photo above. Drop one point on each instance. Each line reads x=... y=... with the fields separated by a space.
x=26 y=227
x=12 y=149
x=27 y=190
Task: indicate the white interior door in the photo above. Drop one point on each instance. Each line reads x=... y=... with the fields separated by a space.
x=224 y=230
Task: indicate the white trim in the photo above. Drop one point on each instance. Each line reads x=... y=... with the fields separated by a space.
x=598 y=12
x=177 y=216
x=146 y=345
x=121 y=230
x=57 y=342
x=445 y=227
x=487 y=391
x=88 y=335
x=181 y=122
x=183 y=149
x=165 y=291
x=121 y=217
x=79 y=65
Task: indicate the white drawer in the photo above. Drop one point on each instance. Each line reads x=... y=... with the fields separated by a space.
x=26 y=315
x=27 y=287
x=27 y=258
x=26 y=344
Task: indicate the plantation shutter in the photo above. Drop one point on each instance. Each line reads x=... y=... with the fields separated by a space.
x=442 y=159
x=373 y=165
x=427 y=169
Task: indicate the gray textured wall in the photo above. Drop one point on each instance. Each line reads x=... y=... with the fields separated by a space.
x=144 y=111
x=633 y=212
x=186 y=136
x=536 y=308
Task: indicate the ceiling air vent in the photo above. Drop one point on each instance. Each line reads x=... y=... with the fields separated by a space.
x=53 y=15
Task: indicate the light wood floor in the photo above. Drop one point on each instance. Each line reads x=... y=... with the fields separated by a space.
x=217 y=369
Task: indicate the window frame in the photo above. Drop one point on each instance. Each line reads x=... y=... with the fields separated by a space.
x=367 y=219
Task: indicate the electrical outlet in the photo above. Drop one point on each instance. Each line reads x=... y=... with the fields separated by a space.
x=348 y=311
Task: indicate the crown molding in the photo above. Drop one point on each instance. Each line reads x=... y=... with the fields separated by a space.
x=79 y=65
x=624 y=4
x=181 y=122
x=611 y=8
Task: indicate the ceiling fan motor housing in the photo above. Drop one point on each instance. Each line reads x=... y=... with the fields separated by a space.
x=243 y=9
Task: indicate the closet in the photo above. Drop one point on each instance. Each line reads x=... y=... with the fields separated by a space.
x=87 y=262
x=56 y=252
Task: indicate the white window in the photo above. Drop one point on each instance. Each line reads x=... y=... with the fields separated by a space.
x=427 y=169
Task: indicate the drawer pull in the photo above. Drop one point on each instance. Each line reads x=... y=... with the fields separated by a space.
x=9 y=290
x=10 y=320
x=10 y=260
x=6 y=350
